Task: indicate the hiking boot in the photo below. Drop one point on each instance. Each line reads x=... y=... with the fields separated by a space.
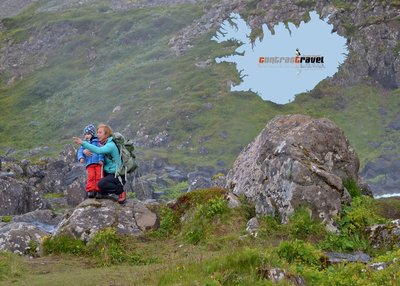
x=122 y=198
x=99 y=195
x=91 y=194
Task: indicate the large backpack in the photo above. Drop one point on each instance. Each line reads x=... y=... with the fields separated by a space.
x=126 y=153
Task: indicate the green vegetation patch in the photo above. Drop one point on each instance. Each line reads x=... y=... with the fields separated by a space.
x=352 y=188
x=352 y=223
x=6 y=218
x=197 y=197
x=63 y=245
x=300 y=252
x=300 y=226
x=11 y=266
x=53 y=195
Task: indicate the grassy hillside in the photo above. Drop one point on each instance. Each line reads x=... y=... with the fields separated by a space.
x=105 y=59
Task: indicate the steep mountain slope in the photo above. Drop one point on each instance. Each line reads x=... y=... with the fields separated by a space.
x=148 y=69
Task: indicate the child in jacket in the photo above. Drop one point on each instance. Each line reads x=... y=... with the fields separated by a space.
x=94 y=163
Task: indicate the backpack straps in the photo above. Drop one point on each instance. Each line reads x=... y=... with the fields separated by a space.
x=117 y=175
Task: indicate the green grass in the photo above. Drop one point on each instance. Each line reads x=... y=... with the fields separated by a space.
x=222 y=255
x=352 y=188
x=11 y=266
x=53 y=195
x=6 y=218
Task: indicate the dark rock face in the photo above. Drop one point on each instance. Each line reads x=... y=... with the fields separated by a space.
x=198 y=180
x=14 y=197
x=59 y=177
x=383 y=175
x=219 y=181
x=93 y=215
x=296 y=160
x=24 y=186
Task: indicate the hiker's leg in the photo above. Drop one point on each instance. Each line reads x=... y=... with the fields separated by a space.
x=98 y=169
x=91 y=183
x=110 y=185
x=120 y=187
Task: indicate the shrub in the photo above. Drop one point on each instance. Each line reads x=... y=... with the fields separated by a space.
x=271 y=226
x=106 y=248
x=352 y=188
x=6 y=218
x=32 y=246
x=109 y=248
x=63 y=244
x=302 y=225
x=353 y=221
x=358 y=216
x=342 y=242
x=213 y=208
x=248 y=207
x=200 y=220
x=298 y=251
x=169 y=222
x=198 y=197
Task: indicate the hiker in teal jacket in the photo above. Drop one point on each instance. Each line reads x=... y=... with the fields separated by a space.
x=110 y=152
x=109 y=184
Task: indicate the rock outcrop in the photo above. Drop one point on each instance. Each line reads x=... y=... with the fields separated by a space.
x=384 y=235
x=93 y=215
x=336 y=257
x=13 y=196
x=296 y=160
x=51 y=183
x=21 y=237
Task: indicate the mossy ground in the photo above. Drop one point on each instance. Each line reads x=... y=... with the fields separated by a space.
x=210 y=247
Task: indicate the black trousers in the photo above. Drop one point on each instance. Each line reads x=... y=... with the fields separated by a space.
x=111 y=185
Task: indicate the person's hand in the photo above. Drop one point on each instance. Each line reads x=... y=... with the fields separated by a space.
x=77 y=140
x=82 y=160
x=100 y=162
x=87 y=153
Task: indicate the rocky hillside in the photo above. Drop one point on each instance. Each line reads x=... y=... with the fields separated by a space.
x=147 y=68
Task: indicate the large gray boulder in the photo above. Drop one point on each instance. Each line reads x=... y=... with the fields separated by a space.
x=22 y=238
x=93 y=215
x=44 y=219
x=296 y=160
